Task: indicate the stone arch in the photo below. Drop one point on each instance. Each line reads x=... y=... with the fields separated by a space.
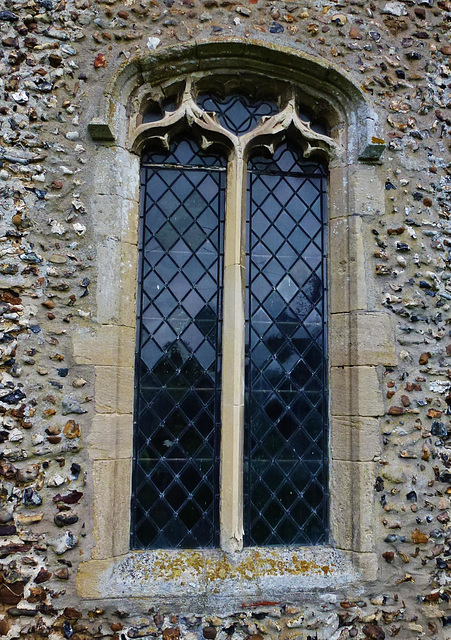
x=322 y=83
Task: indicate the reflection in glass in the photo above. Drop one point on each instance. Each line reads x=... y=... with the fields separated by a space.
x=237 y=113
x=175 y=482
x=286 y=401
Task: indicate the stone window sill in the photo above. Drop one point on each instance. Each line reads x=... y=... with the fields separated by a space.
x=215 y=579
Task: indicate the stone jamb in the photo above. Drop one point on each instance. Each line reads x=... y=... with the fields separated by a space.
x=360 y=339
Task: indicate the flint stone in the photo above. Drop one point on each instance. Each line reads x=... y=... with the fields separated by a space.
x=374 y=632
x=65 y=518
x=21 y=97
x=31 y=498
x=42 y=576
x=5 y=516
x=438 y=429
x=8 y=549
x=69 y=498
x=14 y=397
x=8 y=16
x=7 y=529
x=16 y=612
x=71 y=405
x=28 y=474
x=395 y=9
x=63 y=544
x=62 y=574
x=142 y=632
x=72 y=614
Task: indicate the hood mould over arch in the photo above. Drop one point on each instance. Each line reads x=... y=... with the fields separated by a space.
x=323 y=89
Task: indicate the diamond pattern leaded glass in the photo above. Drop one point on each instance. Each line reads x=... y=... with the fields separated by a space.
x=175 y=500
x=286 y=401
x=237 y=113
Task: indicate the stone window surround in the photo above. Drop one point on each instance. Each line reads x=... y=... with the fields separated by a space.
x=360 y=340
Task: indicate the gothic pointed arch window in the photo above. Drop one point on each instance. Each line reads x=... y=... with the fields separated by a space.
x=231 y=407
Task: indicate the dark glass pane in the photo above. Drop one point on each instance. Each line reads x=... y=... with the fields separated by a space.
x=181 y=152
x=238 y=113
x=287 y=159
x=156 y=111
x=176 y=476
x=285 y=423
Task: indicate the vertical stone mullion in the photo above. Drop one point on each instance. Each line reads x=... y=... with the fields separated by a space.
x=232 y=409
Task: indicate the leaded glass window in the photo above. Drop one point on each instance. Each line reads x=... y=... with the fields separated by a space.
x=286 y=401
x=231 y=359
x=178 y=376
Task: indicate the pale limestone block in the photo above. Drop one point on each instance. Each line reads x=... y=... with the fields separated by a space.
x=103 y=477
x=128 y=285
x=107 y=345
x=352 y=520
x=355 y=391
x=338 y=192
x=109 y=289
x=367 y=564
x=112 y=482
x=366 y=249
x=361 y=339
x=114 y=389
x=89 y=578
x=117 y=282
x=116 y=217
x=122 y=494
x=367 y=190
x=232 y=477
x=234 y=245
x=123 y=181
x=348 y=290
x=110 y=437
x=129 y=221
x=358 y=190
x=354 y=438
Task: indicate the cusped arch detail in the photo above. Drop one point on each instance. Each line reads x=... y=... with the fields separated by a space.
x=324 y=87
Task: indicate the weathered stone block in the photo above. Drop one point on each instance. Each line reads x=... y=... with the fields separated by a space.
x=355 y=391
x=88 y=578
x=107 y=345
x=353 y=509
x=348 y=290
x=114 y=390
x=116 y=217
x=100 y=130
x=117 y=282
x=338 y=184
x=112 y=480
x=110 y=437
x=354 y=438
x=367 y=564
x=368 y=190
x=362 y=339
x=123 y=181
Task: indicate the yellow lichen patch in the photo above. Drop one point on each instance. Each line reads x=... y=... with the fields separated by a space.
x=219 y=569
x=256 y=564
x=173 y=565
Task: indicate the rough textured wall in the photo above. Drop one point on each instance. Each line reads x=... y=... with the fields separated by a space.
x=55 y=60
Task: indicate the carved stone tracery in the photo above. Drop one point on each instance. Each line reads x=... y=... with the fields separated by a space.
x=271 y=130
